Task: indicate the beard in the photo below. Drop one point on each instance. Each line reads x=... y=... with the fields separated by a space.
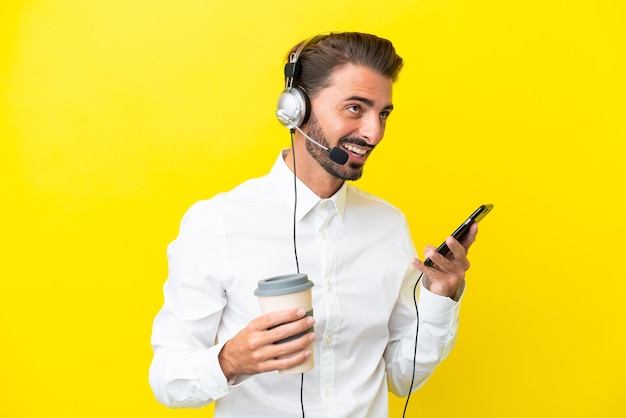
x=348 y=171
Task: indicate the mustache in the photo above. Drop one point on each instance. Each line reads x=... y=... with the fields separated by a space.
x=356 y=141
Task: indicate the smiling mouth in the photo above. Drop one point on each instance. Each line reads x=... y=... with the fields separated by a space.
x=360 y=151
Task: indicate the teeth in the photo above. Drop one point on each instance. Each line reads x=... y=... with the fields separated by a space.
x=355 y=149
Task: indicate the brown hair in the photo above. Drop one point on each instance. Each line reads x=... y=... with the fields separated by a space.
x=320 y=59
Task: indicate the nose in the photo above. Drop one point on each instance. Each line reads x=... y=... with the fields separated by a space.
x=372 y=128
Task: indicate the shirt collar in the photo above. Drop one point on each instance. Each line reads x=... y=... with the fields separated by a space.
x=282 y=177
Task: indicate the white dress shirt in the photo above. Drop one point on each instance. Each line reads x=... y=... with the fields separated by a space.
x=355 y=247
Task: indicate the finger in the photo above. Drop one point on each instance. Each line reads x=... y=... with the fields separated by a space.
x=285 y=355
x=290 y=359
x=456 y=261
x=438 y=259
x=293 y=346
x=291 y=330
x=459 y=252
x=419 y=265
x=273 y=319
x=429 y=248
x=450 y=264
x=470 y=237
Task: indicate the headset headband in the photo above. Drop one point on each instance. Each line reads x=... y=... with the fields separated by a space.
x=292 y=69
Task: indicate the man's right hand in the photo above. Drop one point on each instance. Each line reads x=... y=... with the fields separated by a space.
x=253 y=351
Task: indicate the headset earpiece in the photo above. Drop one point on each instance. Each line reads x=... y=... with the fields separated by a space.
x=293 y=108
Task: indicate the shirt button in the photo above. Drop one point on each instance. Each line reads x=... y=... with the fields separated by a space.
x=328 y=392
x=329 y=287
x=329 y=339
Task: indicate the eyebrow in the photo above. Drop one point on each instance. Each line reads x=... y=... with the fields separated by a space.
x=368 y=102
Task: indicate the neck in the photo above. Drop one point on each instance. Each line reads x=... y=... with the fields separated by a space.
x=310 y=172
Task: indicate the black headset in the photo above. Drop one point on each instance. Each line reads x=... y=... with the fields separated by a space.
x=293 y=108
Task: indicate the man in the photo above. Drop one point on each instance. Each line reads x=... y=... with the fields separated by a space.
x=211 y=342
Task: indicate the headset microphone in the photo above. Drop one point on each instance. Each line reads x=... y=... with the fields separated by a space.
x=336 y=154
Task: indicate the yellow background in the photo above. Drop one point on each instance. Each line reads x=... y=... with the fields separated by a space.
x=115 y=116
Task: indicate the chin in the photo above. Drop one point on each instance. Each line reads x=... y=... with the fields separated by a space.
x=351 y=173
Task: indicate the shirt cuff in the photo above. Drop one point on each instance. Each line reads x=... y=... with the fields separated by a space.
x=436 y=308
x=213 y=381
x=213 y=363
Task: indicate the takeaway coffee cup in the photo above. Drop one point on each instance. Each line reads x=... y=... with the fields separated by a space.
x=285 y=292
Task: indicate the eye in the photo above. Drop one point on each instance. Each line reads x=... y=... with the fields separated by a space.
x=354 y=109
x=385 y=114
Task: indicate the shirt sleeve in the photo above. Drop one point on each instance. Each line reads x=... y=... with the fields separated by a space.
x=185 y=371
x=438 y=325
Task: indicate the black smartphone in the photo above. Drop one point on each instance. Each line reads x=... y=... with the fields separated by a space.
x=478 y=214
